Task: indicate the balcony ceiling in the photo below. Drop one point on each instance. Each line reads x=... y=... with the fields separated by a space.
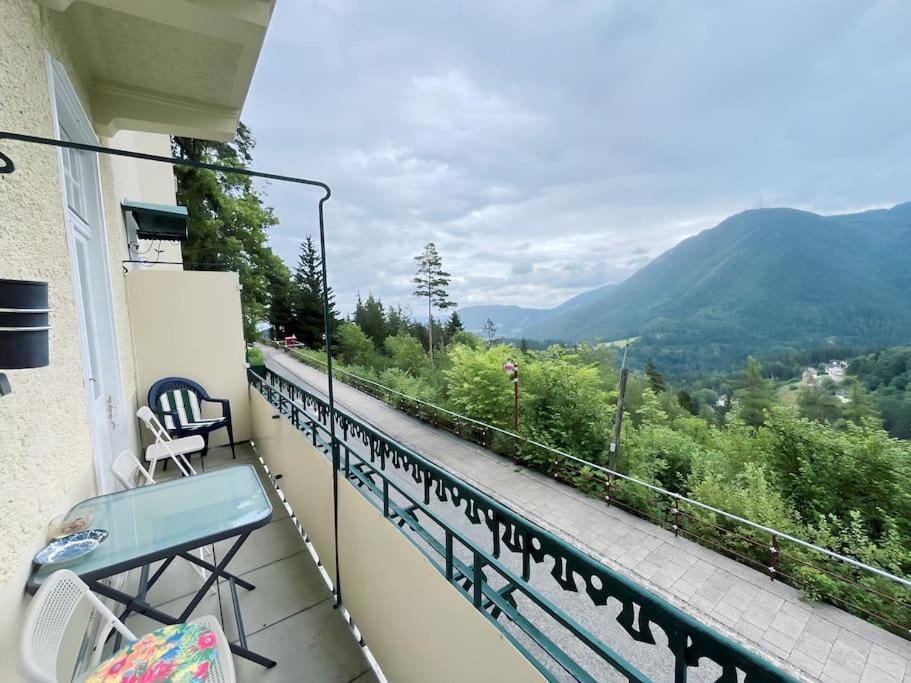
x=169 y=66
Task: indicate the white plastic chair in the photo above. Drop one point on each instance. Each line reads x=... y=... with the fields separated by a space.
x=125 y=468
x=50 y=613
x=166 y=446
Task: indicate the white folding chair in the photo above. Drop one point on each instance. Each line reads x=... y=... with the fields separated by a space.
x=166 y=446
x=53 y=607
x=125 y=468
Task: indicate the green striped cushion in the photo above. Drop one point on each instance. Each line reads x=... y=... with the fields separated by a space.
x=184 y=403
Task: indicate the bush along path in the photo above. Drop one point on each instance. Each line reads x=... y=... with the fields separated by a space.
x=823 y=642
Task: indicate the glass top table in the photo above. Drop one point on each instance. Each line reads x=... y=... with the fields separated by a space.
x=154 y=522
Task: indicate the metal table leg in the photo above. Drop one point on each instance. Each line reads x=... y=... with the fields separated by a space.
x=139 y=605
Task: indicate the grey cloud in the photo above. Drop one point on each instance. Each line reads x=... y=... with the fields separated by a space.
x=553 y=147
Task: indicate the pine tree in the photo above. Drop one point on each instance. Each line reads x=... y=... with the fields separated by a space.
x=490 y=330
x=431 y=282
x=371 y=318
x=817 y=403
x=686 y=401
x=453 y=325
x=397 y=321
x=283 y=300
x=655 y=379
x=755 y=399
x=859 y=405
x=309 y=324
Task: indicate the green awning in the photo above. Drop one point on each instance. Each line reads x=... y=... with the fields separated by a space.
x=158 y=221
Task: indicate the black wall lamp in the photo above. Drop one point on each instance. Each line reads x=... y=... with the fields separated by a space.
x=24 y=327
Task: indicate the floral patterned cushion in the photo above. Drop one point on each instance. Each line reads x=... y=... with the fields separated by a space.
x=181 y=653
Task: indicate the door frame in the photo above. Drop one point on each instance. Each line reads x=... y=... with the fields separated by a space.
x=66 y=107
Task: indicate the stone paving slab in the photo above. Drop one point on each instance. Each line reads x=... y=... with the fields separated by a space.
x=815 y=640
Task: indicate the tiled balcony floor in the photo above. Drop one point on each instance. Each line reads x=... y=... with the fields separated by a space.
x=289 y=617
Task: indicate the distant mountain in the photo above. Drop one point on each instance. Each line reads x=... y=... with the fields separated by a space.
x=763 y=281
x=512 y=321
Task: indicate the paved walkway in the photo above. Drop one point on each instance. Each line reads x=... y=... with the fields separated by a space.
x=815 y=640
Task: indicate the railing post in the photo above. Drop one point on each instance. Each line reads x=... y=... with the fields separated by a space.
x=477 y=578
x=526 y=554
x=449 y=561
x=676 y=516
x=678 y=647
x=610 y=484
x=386 y=500
x=773 y=553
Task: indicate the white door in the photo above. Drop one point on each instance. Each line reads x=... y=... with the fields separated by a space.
x=92 y=285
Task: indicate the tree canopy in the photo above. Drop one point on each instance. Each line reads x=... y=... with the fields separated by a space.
x=228 y=222
x=431 y=283
x=841 y=482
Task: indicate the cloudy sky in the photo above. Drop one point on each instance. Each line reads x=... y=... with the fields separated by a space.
x=551 y=147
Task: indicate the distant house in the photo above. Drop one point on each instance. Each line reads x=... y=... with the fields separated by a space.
x=836 y=370
x=722 y=401
x=809 y=377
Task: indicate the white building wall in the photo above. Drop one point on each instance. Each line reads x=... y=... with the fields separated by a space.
x=45 y=443
x=145 y=181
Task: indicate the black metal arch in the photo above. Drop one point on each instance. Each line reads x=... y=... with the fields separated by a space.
x=9 y=167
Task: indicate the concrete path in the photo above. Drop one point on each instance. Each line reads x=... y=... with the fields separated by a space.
x=817 y=641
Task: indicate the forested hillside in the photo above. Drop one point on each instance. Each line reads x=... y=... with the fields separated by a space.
x=768 y=281
x=887 y=376
x=876 y=384
x=748 y=455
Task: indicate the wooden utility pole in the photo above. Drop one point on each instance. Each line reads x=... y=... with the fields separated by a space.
x=618 y=421
x=618 y=416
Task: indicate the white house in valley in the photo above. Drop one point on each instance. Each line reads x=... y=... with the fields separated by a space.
x=836 y=370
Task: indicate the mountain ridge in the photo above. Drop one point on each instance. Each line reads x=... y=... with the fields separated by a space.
x=761 y=278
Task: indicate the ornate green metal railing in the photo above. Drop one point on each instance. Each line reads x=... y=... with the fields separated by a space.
x=418 y=496
x=872 y=593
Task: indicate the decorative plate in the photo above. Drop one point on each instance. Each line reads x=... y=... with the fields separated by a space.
x=70 y=547
x=70 y=524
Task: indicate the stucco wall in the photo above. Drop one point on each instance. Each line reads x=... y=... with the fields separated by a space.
x=146 y=181
x=45 y=443
x=416 y=624
x=306 y=475
x=189 y=324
